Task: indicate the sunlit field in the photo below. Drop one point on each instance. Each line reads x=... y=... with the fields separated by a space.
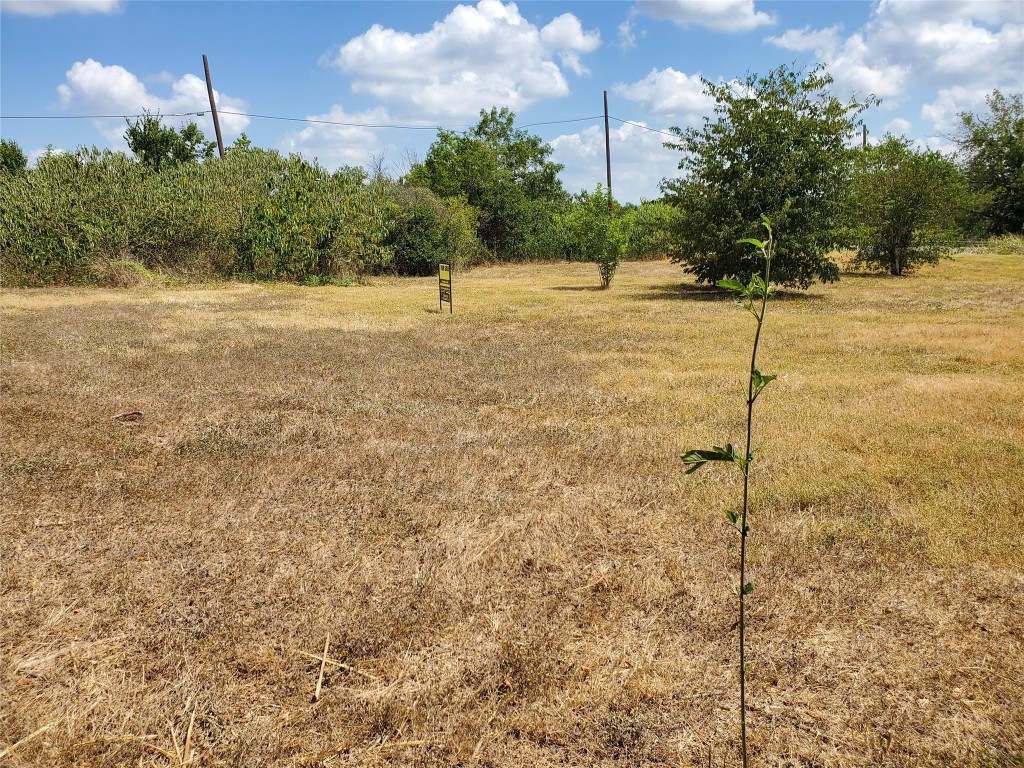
x=483 y=518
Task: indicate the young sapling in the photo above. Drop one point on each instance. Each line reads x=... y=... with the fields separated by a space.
x=753 y=297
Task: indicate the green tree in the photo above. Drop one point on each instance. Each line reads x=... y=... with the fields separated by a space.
x=903 y=205
x=503 y=172
x=593 y=231
x=425 y=230
x=648 y=229
x=242 y=143
x=159 y=146
x=12 y=159
x=992 y=153
x=778 y=147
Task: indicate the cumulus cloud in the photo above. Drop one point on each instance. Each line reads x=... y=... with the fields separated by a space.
x=627 y=35
x=639 y=160
x=53 y=7
x=851 y=61
x=920 y=43
x=93 y=88
x=671 y=93
x=476 y=57
x=992 y=12
x=719 y=15
x=807 y=39
x=564 y=35
x=336 y=145
x=943 y=113
x=898 y=127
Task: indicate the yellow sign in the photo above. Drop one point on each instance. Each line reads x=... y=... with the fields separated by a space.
x=444 y=285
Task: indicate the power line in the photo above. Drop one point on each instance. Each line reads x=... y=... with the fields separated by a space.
x=95 y=117
x=639 y=125
x=331 y=122
x=317 y=121
x=559 y=122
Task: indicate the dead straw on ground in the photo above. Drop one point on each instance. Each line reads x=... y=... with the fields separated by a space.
x=265 y=525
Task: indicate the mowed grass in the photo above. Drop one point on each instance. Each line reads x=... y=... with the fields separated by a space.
x=487 y=515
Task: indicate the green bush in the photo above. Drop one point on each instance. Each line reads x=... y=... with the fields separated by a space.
x=72 y=210
x=506 y=175
x=903 y=205
x=255 y=213
x=593 y=232
x=12 y=159
x=303 y=220
x=428 y=230
x=648 y=229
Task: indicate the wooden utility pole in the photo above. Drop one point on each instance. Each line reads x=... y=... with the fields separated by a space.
x=213 y=107
x=864 y=135
x=607 y=150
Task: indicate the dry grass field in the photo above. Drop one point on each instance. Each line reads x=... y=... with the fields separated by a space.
x=486 y=516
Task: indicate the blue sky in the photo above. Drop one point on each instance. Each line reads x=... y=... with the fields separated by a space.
x=425 y=64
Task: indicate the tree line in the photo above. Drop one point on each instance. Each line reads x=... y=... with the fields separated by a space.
x=778 y=145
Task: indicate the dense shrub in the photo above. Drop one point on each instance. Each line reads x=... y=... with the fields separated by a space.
x=648 y=229
x=992 y=152
x=428 y=230
x=903 y=205
x=255 y=213
x=12 y=159
x=71 y=211
x=777 y=147
x=300 y=220
x=593 y=232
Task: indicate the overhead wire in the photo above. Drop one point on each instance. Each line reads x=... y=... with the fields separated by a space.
x=95 y=117
x=317 y=121
x=641 y=125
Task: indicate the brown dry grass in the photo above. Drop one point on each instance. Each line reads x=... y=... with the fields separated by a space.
x=488 y=515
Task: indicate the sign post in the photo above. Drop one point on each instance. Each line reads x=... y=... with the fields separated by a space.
x=444 y=285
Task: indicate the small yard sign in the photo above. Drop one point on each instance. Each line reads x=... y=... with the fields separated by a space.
x=444 y=284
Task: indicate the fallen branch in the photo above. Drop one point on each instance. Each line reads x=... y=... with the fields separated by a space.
x=323 y=665
x=340 y=664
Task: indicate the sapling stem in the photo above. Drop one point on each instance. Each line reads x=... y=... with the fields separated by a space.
x=754 y=297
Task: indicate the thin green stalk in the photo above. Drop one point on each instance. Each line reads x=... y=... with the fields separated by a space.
x=758 y=288
x=752 y=394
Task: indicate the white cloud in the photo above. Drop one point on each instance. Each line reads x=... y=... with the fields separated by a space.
x=93 y=88
x=53 y=7
x=898 y=127
x=964 y=50
x=639 y=161
x=851 y=62
x=337 y=145
x=564 y=35
x=943 y=112
x=627 y=35
x=910 y=44
x=992 y=12
x=477 y=57
x=821 y=41
x=671 y=93
x=720 y=15
x=856 y=67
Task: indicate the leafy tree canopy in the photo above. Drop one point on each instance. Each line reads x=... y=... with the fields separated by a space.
x=777 y=148
x=502 y=171
x=992 y=151
x=594 y=231
x=159 y=146
x=12 y=159
x=904 y=205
